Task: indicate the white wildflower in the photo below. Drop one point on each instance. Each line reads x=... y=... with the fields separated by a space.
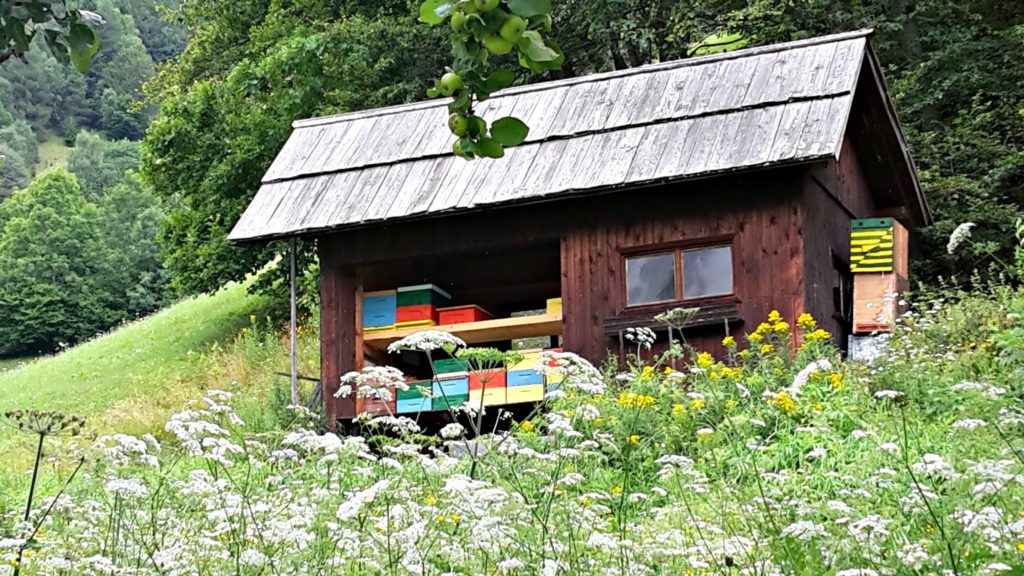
x=804 y=530
x=969 y=423
x=427 y=341
x=959 y=235
x=452 y=431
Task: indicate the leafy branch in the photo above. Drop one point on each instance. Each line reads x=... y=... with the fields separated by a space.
x=481 y=31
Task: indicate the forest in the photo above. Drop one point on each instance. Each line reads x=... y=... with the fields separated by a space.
x=186 y=105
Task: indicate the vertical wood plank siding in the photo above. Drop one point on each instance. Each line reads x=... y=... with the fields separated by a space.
x=338 y=292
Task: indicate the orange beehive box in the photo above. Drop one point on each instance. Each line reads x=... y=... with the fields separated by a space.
x=495 y=378
x=376 y=406
x=463 y=314
x=876 y=301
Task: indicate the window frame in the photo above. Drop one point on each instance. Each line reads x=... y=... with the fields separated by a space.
x=677 y=249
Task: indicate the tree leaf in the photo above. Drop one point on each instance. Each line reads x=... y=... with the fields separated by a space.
x=435 y=11
x=84 y=43
x=527 y=8
x=499 y=79
x=532 y=44
x=490 y=147
x=509 y=131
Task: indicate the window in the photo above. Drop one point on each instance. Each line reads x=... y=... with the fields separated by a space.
x=678 y=275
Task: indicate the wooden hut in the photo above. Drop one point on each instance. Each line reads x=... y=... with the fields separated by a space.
x=726 y=182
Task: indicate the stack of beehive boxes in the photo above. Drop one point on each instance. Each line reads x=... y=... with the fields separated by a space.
x=451 y=383
x=417 y=305
x=879 y=261
x=415 y=399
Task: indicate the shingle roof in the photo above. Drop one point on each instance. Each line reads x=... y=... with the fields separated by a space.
x=753 y=108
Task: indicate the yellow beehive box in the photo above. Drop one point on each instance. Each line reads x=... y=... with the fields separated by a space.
x=554 y=306
x=532 y=393
x=529 y=361
x=490 y=397
x=415 y=324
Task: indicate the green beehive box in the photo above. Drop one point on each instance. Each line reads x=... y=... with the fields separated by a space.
x=449 y=365
x=454 y=401
x=421 y=295
x=414 y=392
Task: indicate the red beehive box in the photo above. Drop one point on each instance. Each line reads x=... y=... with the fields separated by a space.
x=495 y=378
x=463 y=314
x=376 y=406
x=416 y=313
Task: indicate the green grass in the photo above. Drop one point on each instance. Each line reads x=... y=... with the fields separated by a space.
x=131 y=378
x=12 y=363
x=52 y=153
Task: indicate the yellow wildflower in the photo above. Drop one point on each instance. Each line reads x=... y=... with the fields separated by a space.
x=774 y=317
x=586 y=500
x=818 y=335
x=744 y=354
x=430 y=500
x=646 y=373
x=526 y=426
x=616 y=489
x=455 y=518
x=728 y=342
x=252 y=317
x=634 y=400
x=668 y=370
x=731 y=372
x=633 y=439
x=440 y=519
x=818 y=407
x=755 y=337
x=705 y=360
x=767 y=348
x=836 y=380
x=1020 y=546
x=806 y=322
x=678 y=410
x=781 y=328
x=784 y=401
x=696 y=404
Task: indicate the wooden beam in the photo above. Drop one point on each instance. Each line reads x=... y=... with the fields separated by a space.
x=478 y=332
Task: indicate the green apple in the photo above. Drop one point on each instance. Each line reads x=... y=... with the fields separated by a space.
x=477 y=126
x=512 y=28
x=459 y=124
x=486 y=5
x=498 y=45
x=450 y=83
x=458 y=21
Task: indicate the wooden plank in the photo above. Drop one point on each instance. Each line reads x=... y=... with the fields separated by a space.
x=766 y=123
x=815 y=70
x=608 y=160
x=790 y=128
x=763 y=67
x=377 y=207
x=478 y=332
x=678 y=142
x=845 y=66
x=816 y=124
x=705 y=140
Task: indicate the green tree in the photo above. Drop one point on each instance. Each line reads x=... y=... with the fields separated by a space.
x=65 y=31
x=13 y=172
x=100 y=164
x=227 y=106
x=51 y=289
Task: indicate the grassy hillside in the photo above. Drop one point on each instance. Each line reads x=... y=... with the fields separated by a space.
x=52 y=153
x=131 y=379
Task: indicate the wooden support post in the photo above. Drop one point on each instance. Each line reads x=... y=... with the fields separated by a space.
x=293 y=327
x=338 y=297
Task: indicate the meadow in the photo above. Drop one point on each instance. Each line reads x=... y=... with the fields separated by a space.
x=782 y=458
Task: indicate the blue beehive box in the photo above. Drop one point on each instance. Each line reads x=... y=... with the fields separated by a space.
x=412 y=405
x=527 y=377
x=454 y=386
x=380 y=309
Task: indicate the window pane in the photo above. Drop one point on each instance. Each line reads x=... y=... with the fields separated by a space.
x=707 y=272
x=650 y=279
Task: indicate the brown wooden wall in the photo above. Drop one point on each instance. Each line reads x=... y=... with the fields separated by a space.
x=783 y=226
x=834 y=193
x=760 y=213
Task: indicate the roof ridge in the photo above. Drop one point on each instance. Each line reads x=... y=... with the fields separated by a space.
x=601 y=76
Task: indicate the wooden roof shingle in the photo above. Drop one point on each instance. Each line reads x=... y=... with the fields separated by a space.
x=747 y=109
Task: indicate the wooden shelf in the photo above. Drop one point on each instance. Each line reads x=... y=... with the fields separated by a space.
x=478 y=332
